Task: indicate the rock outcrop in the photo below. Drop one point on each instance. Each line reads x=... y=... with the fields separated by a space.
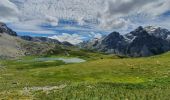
x=5 y=29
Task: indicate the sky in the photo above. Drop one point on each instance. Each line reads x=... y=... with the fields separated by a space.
x=78 y=20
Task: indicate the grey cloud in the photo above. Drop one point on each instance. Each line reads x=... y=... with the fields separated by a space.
x=116 y=10
x=126 y=6
x=8 y=11
x=100 y=14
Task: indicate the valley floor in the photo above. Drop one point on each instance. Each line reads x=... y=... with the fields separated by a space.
x=101 y=77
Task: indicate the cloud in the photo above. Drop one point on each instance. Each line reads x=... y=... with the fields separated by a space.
x=157 y=8
x=32 y=26
x=116 y=12
x=116 y=23
x=72 y=38
x=59 y=9
x=118 y=8
x=8 y=11
x=95 y=35
x=52 y=20
x=106 y=15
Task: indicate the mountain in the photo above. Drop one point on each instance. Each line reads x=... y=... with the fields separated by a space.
x=158 y=32
x=145 y=44
x=5 y=29
x=45 y=40
x=146 y=41
x=141 y=42
x=40 y=39
x=9 y=46
x=13 y=46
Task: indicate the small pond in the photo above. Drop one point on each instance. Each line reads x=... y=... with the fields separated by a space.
x=66 y=60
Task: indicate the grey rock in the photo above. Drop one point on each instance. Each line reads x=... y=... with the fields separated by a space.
x=5 y=29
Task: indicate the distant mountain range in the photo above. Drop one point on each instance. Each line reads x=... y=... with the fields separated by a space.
x=145 y=41
x=141 y=42
x=45 y=39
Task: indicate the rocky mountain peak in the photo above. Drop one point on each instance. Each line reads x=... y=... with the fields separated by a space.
x=113 y=36
x=140 y=31
x=146 y=41
x=5 y=29
x=151 y=28
x=2 y=24
x=158 y=32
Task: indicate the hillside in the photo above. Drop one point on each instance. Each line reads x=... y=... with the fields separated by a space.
x=47 y=69
x=100 y=77
x=9 y=46
x=84 y=50
x=14 y=46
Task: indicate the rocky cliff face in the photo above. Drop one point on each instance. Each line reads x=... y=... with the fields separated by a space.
x=145 y=44
x=146 y=41
x=158 y=32
x=5 y=29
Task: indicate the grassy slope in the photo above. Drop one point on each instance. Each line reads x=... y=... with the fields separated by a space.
x=101 y=77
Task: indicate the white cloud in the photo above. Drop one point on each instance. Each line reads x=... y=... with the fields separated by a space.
x=156 y=8
x=95 y=35
x=8 y=11
x=52 y=20
x=115 y=14
x=60 y=9
x=31 y=26
x=113 y=23
x=72 y=38
x=98 y=14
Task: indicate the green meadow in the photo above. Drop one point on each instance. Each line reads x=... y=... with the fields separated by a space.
x=101 y=77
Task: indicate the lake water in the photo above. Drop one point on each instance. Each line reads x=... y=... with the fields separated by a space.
x=66 y=60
